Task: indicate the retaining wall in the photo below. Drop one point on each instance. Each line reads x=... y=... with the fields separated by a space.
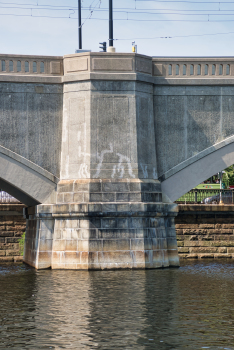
x=12 y=226
x=205 y=231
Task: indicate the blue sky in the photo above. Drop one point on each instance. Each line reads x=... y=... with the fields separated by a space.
x=24 y=31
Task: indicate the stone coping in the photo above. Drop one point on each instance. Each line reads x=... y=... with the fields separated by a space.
x=196 y=157
x=28 y=164
x=205 y=208
x=103 y=209
x=39 y=79
x=194 y=81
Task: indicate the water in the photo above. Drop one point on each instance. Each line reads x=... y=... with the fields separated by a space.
x=187 y=308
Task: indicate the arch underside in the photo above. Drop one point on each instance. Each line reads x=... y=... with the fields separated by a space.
x=193 y=171
x=24 y=180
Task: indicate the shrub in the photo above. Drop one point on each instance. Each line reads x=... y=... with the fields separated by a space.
x=21 y=244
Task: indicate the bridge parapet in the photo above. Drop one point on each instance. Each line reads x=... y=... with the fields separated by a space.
x=31 y=65
x=190 y=67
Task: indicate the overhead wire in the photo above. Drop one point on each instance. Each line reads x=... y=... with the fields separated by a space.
x=175 y=36
x=189 y=1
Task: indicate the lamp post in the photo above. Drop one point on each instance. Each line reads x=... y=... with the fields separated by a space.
x=110 y=48
x=110 y=22
x=79 y=25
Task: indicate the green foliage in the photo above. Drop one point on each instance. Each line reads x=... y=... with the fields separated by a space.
x=225 y=180
x=230 y=174
x=21 y=244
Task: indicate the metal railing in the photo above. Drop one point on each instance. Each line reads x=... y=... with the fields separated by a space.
x=207 y=196
x=7 y=198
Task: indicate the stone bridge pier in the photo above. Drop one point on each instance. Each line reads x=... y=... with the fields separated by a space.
x=106 y=210
x=98 y=146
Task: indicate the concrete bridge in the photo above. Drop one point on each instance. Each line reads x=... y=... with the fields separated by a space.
x=99 y=145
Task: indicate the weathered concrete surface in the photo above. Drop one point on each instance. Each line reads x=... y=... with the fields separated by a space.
x=31 y=122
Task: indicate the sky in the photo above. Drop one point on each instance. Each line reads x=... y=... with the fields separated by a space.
x=159 y=28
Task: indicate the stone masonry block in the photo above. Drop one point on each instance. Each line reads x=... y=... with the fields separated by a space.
x=89 y=234
x=95 y=222
x=137 y=207
x=72 y=257
x=227 y=231
x=95 y=197
x=66 y=186
x=139 y=222
x=95 y=187
x=108 y=197
x=59 y=245
x=6 y=234
x=224 y=237
x=79 y=197
x=152 y=233
x=12 y=252
x=206 y=226
x=222 y=250
x=135 y=186
x=115 y=257
x=123 y=207
x=81 y=187
x=109 y=223
x=113 y=244
x=95 y=245
x=122 y=197
x=122 y=223
x=68 y=197
x=45 y=244
x=71 y=245
x=228 y=226
x=134 y=197
x=137 y=244
x=221 y=256
x=171 y=243
x=115 y=187
x=108 y=208
x=83 y=245
x=203 y=250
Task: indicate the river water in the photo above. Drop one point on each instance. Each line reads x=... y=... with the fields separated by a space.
x=187 y=308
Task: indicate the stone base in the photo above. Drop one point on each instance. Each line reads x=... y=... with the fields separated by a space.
x=101 y=236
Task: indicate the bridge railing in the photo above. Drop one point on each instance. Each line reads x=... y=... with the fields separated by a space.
x=7 y=198
x=193 y=67
x=21 y=64
x=207 y=196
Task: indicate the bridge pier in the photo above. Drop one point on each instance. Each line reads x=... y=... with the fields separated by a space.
x=108 y=212
x=103 y=235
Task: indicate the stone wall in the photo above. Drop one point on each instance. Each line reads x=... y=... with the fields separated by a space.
x=12 y=226
x=205 y=231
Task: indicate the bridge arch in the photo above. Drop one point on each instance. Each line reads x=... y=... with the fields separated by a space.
x=25 y=180
x=190 y=173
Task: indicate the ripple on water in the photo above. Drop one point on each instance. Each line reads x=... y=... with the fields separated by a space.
x=187 y=308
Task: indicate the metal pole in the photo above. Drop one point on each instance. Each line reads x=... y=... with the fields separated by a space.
x=79 y=25
x=110 y=23
x=195 y=197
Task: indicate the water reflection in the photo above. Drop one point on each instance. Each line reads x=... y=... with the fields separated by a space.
x=186 y=308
